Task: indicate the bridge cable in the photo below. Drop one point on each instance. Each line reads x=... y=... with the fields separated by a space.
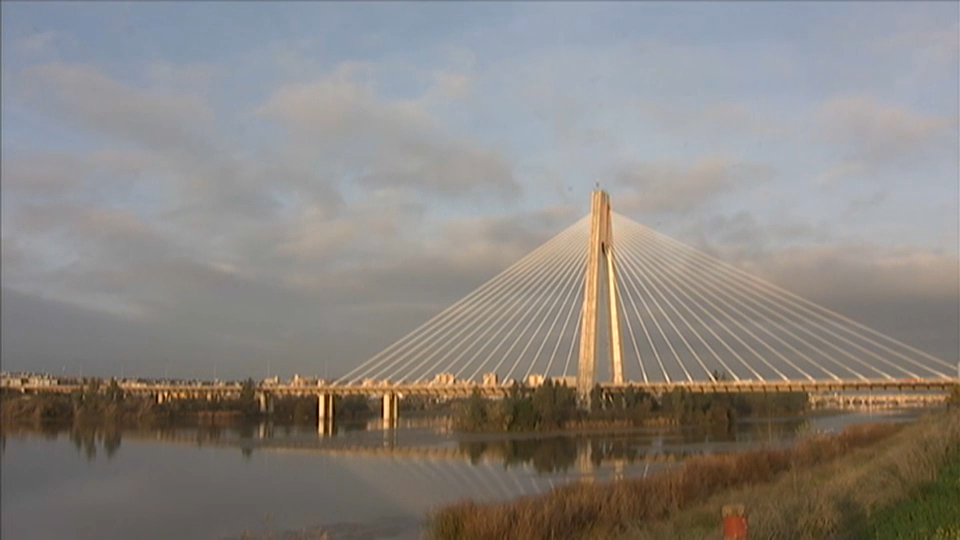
x=724 y=290
x=657 y=287
x=495 y=285
x=578 y=275
x=628 y=278
x=763 y=295
x=527 y=261
x=525 y=280
x=530 y=280
x=802 y=303
x=702 y=323
x=570 y=267
x=784 y=358
x=626 y=318
x=643 y=283
x=509 y=312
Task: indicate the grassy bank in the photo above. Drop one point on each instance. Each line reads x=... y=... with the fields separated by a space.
x=932 y=512
x=820 y=487
x=838 y=499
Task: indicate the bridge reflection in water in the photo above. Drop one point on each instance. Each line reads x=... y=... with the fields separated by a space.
x=423 y=461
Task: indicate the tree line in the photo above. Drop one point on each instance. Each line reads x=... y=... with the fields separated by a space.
x=553 y=406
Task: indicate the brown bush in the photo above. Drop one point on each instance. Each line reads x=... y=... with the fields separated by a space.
x=602 y=510
x=833 y=500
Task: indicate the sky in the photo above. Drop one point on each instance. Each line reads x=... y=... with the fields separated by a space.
x=230 y=190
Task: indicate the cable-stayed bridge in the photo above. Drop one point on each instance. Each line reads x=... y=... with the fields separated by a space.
x=613 y=302
x=672 y=316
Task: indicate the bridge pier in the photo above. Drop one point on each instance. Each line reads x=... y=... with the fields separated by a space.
x=325 y=414
x=391 y=405
x=584 y=462
x=160 y=398
x=266 y=404
x=325 y=407
x=600 y=262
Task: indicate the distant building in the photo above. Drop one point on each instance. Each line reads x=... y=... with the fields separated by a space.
x=570 y=381
x=444 y=379
x=20 y=380
x=297 y=380
x=490 y=379
x=535 y=380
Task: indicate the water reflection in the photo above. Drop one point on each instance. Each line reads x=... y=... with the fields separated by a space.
x=431 y=439
x=67 y=481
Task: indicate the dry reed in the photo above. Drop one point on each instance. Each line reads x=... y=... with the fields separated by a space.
x=605 y=510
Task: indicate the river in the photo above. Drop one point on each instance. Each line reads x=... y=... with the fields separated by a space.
x=362 y=482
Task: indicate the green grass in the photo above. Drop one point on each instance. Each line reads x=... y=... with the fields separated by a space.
x=856 y=496
x=933 y=512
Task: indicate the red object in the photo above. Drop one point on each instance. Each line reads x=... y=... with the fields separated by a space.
x=734 y=528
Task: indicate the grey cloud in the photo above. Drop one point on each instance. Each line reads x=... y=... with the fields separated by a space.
x=176 y=123
x=41 y=334
x=909 y=294
x=742 y=235
x=713 y=121
x=190 y=78
x=61 y=175
x=385 y=143
x=862 y=204
x=870 y=137
x=207 y=190
x=678 y=188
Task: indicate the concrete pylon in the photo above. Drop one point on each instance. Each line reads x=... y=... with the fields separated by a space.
x=391 y=406
x=600 y=266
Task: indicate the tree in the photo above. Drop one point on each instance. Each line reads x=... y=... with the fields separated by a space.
x=596 y=398
x=554 y=404
x=475 y=415
x=114 y=392
x=954 y=399
x=248 y=396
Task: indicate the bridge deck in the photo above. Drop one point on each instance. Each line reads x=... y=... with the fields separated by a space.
x=465 y=389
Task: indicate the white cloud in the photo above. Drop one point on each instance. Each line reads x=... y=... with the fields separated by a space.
x=379 y=142
x=876 y=131
x=676 y=187
x=38 y=44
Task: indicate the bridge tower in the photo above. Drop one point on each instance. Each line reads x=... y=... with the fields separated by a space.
x=601 y=274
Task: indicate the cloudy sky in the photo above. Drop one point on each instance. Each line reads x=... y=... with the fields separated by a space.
x=231 y=189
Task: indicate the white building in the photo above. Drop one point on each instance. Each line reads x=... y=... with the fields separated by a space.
x=444 y=379
x=535 y=380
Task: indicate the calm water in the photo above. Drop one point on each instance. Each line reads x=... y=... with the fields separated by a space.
x=359 y=483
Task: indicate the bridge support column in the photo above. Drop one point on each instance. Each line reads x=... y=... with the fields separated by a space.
x=160 y=398
x=618 y=467
x=391 y=404
x=584 y=462
x=266 y=403
x=325 y=420
x=325 y=406
x=599 y=262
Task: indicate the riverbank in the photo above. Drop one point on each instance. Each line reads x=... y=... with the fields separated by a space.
x=825 y=486
x=101 y=404
x=552 y=406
